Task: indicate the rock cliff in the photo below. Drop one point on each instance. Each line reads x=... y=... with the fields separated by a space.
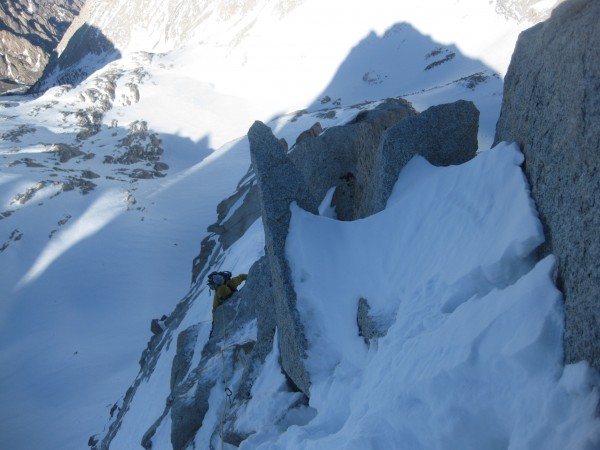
x=28 y=35
x=551 y=108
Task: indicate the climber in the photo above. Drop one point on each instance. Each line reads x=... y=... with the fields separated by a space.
x=224 y=286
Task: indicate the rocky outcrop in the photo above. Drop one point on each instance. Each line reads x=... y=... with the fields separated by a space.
x=551 y=108
x=312 y=132
x=279 y=184
x=370 y=327
x=363 y=158
x=443 y=134
x=337 y=153
x=225 y=352
x=532 y=11
x=241 y=337
x=29 y=32
x=232 y=222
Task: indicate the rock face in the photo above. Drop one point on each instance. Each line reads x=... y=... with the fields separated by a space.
x=551 y=108
x=29 y=32
x=225 y=351
x=241 y=337
x=279 y=184
x=363 y=158
x=369 y=327
x=85 y=51
x=443 y=134
x=339 y=151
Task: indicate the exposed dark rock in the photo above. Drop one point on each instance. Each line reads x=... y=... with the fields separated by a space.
x=207 y=247
x=90 y=122
x=284 y=144
x=160 y=166
x=230 y=225
x=64 y=220
x=386 y=114
x=243 y=330
x=65 y=152
x=242 y=218
x=443 y=55
x=32 y=163
x=327 y=114
x=156 y=326
x=312 y=132
x=93 y=440
x=551 y=108
x=142 y=174
x=29 y=193
x=82 y=50
x=89 y=174
x=148 y=360
x=84 y=186
x=259 y=283
x=16 y=134
x=337 y=153
x=186 y=342
x=29 y=162
x=139 y=145
x=60 y=223
x=29 y=32
x=444 y=134
x=15 y=236
x=369 y=327
x=224 y=353
x=373 y=78
x=474 y=80
x=298 y=114
x=280 y=183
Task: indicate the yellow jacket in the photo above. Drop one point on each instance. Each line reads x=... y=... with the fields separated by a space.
x=226 y=290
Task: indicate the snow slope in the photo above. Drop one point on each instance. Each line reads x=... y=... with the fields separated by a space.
x=82 y=275
x=472 y=356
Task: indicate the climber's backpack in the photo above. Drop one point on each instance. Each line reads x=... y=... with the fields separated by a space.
x=212 y=284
